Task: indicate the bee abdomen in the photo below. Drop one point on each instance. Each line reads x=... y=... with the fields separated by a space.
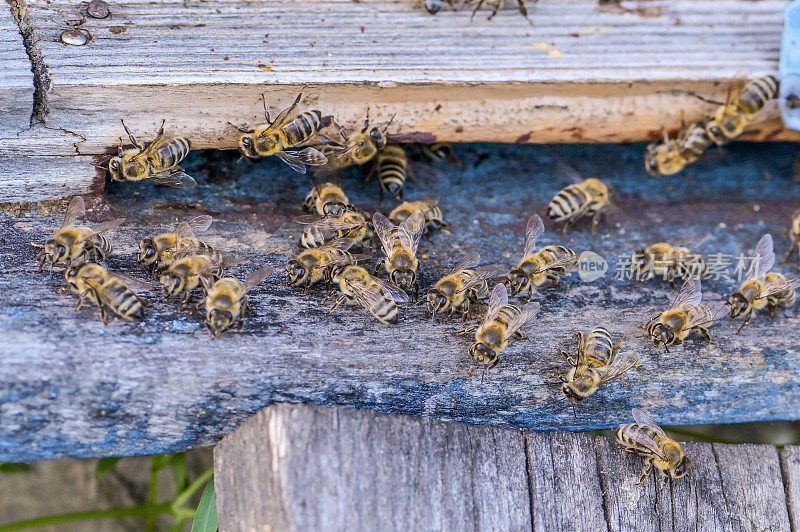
x=757 y=93
x=174 y=152
x=604 y=347
x=507 y=313
x=385 y=310
x=695 y=143
x=566 y=203
x=392 y=168
x=124 y=302
x=312 y=238
x=303 y=127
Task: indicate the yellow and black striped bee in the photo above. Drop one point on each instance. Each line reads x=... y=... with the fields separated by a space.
x=185 y=274
x=670 y=156
x=391 y=167
x=158 y=252
x=107 y=290
x=745 y=99
x=280 y=136
x=595 y=364
x=156 y=162
x=314 y=265
x=352 y=225
x=326 y=199
x=647 y=439
x=537 y=268
x=71 y=243
x=227 y=302
x=460 y=287
x=434 y=219
x=669 y=262
x=377 y=296
x=357 y=149
x=400 y=243
x=761 y=289
x=685 y=316
x=586 y=197
x=501 y=323
x=794 y=235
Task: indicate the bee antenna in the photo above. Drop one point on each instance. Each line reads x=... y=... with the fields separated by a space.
x=389 y=123
x=574 y=413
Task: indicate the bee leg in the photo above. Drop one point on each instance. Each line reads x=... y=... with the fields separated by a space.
x=161 y=129
x=645 y=473
x=336 y=304
x=746 y=321
x=241 y=129
x=519 y=336
x=705 y=335
x=595 y=220
x=565 y=227
x=381 y=263
x=130 y=136
x=477 y=7
x=773 y=311
x=524 y=10
x=103 y=315
x=266 y=111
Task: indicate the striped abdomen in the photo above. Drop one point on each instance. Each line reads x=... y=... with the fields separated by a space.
x=392 y=173
x=785 y=298
x=98 y=250
x=384 y=308
x=602 y=347
x=314 y=237
x=173 y=153
x=302 y=128
x=550 y=254
x=567 y=203
x=757 y=93
x=507 y=313
x=121 y=299
x=694 y=142
x=624 y=438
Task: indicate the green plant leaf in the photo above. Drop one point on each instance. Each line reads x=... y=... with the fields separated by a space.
x=15 y=468
x=177 y=463
x=104 y=465
x=205 y=519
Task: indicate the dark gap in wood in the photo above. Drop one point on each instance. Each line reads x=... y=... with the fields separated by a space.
x=721 y=481
x=529 y=476
x=41 y=72
x=785 y=480
x=603 y=484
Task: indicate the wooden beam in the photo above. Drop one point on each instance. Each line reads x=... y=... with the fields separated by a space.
x=16 y=77
x=790 y=469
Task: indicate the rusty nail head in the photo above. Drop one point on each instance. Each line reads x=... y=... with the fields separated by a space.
x=97 y=9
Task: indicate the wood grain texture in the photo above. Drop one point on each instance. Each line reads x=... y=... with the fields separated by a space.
x=69 y=386
x=16 y=77
x=312 y=468
x=35 y=178
x=790 y=469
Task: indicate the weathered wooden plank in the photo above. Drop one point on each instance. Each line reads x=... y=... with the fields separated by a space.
x=790 y=469
x=69 y=386
x=34 y=178
x=311 y=468
x=564 y=485
x=16 y=77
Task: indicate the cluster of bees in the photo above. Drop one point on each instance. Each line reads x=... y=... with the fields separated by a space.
x=337 y=237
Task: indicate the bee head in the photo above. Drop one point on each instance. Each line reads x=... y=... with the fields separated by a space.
x=482 y=353
x=405 y=279
x=517 y=281
x=255 y=146
x=295 y=272
x=715 y=132
x=218 y=321
x=53 y=252
x=377 y=137
x=334 y=209
x=172 y=284
x=655 y=153
x=71 y=274
x=661 y=335
x=682 y=468
x=115 y=168
x=147 y=252
x=436 y=302
x=579 y=389
x=738 y=304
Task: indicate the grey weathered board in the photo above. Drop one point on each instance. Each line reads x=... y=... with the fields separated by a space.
x=69 y=386
x=306 y=467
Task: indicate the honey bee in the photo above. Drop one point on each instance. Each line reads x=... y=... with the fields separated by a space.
x=157 y=253
x=685 y=316
x=501 y=323
x=439 y=152
x=156 y=162
x=761 y=289
x=647 y=439
x=314 y=265
x=670 y=262
x=589 y=197
x=227 y=302
x=377 y=296
x=434 y=219
x=106 y=290
x=460 y=287
x=185 y=274
x=352 y=225
x=794 y=235
x=671 y=156
x=596 y=363
x=391 y=166
x=536 y=268
x=326 y=199
x=71 y=243
x=400 y=243
x=357 y=149
x=278 y=137
x=745 y=99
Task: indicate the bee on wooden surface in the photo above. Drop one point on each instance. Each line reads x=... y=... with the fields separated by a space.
x=538 y=267
x=595 y=364
x=156 y=162
x=352 y=225
x=745 y=99
x=501 y=323
x=280 y=136
x=685 y=316
x=496 y=5
x=377 y=296
x=314 y=265
x=357 y=149
x=647 y=439
x=391 y=167
x=586 y=197
x=400 y=243
x=326 y=199
x=434 y=219
x=185 y=275
x=107 y=290
x=227 y=302
x=460 y=287
x=794 y=235
x=670 y=156
x=761 y=289
x=71 y=243
x=669 y=262
x=156 y=253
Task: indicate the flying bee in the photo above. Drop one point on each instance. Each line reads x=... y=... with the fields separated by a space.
x=434 y=219
x=278 y=137
x=760 y=289
x=536 y=268
x=459 y=287
x=326 y=199
x=227 y=302
x=647 y=439
x=595 y=364
x=669 y=262
x=377 y=296
x=794 y=235
x=158 y=252
x=685 y=316
x=314 y=265
x=400 y=243
x=670 y=156
x=156 y=162
x=745 y=99
x=352 y=225
x=107 y=290
x=586 y=197
x=357 y=149
x=501 y=323
x=185 y=274
x=71 y=243
x=391 y=166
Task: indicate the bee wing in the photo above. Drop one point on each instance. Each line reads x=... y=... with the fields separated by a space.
x=257 y=277
x=333 y=224
x=385 y=230
x=568 y=170
x=393 y=291
x=619 y=366
x=564 y=262
x=159 y=142
x=174 y=179
x=528 y=312
x=189 y=228
x=774 y=288
x=298 y=160
x=480 y=276
x=75 y=211
x=735 y=91
x=104 y=227
x=646 y=420
x=533 y=231
x=133 y=283
x=690 y=294
x=763 y=258
x=636 y=434
x=411 y=231
x=497 y=299
x=701 y=315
